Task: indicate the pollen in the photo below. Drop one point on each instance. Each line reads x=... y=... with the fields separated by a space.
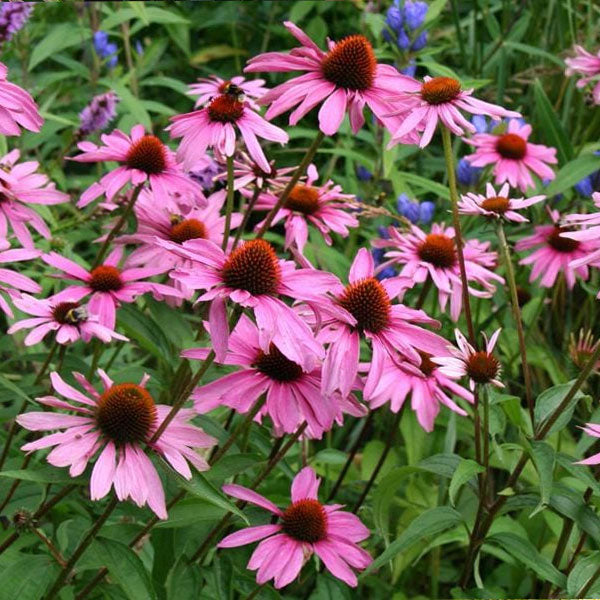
x=188 y=229
x=440 y=90
x=106 y=279
x=561 y=244
x=277 y=366
x=498 y=205
x=439 y=250
x=64 y=313
x=126 y=413
x=511 y=145
x=303 y=199
x=368 y=302
x=305 y=521
x=253 y=267
x=351 y=64
x=148 y=154
x=427 y=366
x=225 y=109
x=482 y=367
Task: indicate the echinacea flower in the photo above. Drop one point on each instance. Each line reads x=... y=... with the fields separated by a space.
x=293 y=395
x=17 y=107
x=323 y=206
x=116 y=425
x=69 y=320
x=427 y=385
x=587 y=64
x=423 y=105
x=513 y=156
x=480 y=366
x=434 y=255
x=363 y=309
x=554 y=253
x=214 y=126
x=252 y=276
x=11 y=282
x=582 y=348
x=305 y=527
x=20 y=185
x=107 y=284
x=207 y=88
x=344 y=78
x=496 y=205
x=593 y=430
x=142 y=158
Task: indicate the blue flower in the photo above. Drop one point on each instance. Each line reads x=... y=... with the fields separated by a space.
x=394 y=18
x=378 y=257
x=420 y=42
x=584 y=187
x=427 y=209
x=413 y=211
x=363 y=173
x=410 y=69
x=414 y=14
x=105 y=49
x=466 y=174
x=383 y=232
x=403 y=40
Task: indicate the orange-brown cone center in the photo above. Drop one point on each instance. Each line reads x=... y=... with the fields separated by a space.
x=368 y=302
x=351 y=64
x=562 y=244
x=303 y=199
x=482 y=367
x=106 y=279
x=440 y=90
x=511 y=145
x=305 y=521
x=148 y=154
x=277 y=366
x=225 y=109
x=188 y=229
x=439 y=250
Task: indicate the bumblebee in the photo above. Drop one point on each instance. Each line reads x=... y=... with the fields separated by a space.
x=176 y=219
x=233 y=90
x=76 y=315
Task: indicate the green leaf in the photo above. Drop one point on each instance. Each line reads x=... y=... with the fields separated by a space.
x=182 y=581
x=441 y=464
x=199 y=486
x=549 y=400
x=191 y=511
x=299 y=10
x=552 y=126
x=466 y=469
x=570 y=504
x=579 y=471
x=125 y=568
x=17 y=582
x=430 y=523
x=9 y=385
x=533 y=50
x=525 y=552
x=573 y=172
x=130 y=102
x=582 y=572
x=60 y=37
x=330 y=588
x=427 y=185
x=543 y=458
x=43 y=474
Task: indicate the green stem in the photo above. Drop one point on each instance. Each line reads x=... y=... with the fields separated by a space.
x=246 y=217
x=514 y=299
x=229 y=203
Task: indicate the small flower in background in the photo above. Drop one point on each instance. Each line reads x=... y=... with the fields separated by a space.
x=139 y=47
x=496 y=205
x=582 y=348
x=13 y=16
x=305 y=527
x=466 y=174
x=116 y=424
x=363 y=173
x=98 y=113
x=480 y=366
x=555 y=253
x=588 y=64
x=105 y=49
x=590 y=184
x=208 y=88
x=410 y=69
x=70 y=321
x=414 y=211
x=404 y=18
x=513 y=156
x=17 y=107
x=484 y=125
x=379 y=257
x=204 y=171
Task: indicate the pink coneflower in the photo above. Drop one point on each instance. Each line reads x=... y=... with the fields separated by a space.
x=142 y=158
x=593 y=430
x=116 y=424
x=69 y=320
x=434 y=255
x=363 y=309
x=513 y=157
x=253 y=276
x=587 y=64
x=325 y=207
x=422 y=105
x=107 y=284
x=306 y=526
x=293 y=395
x=346 y=77
x=480 y=366
x=582 y=348
x=21 y=185
x=17 y=107
x=11 y=282
x=214 y=126
x=556 y=253
x=496 y=205
x=207 y=88
x=427 y=386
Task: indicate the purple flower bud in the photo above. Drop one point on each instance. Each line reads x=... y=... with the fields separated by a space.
x=420 y=42
x=104 y=49
x=414 y=14
x=138 y=47
x=410 y=69
x=403 y=40
x=363 y=173
x=426 y=211
x=98 y=113
x=394 y=18
x=407 y=208
x=584 y=187
x=378 y=257
x=466 y=174
x=13 y=16
x=480 y=123
x=383 y=232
